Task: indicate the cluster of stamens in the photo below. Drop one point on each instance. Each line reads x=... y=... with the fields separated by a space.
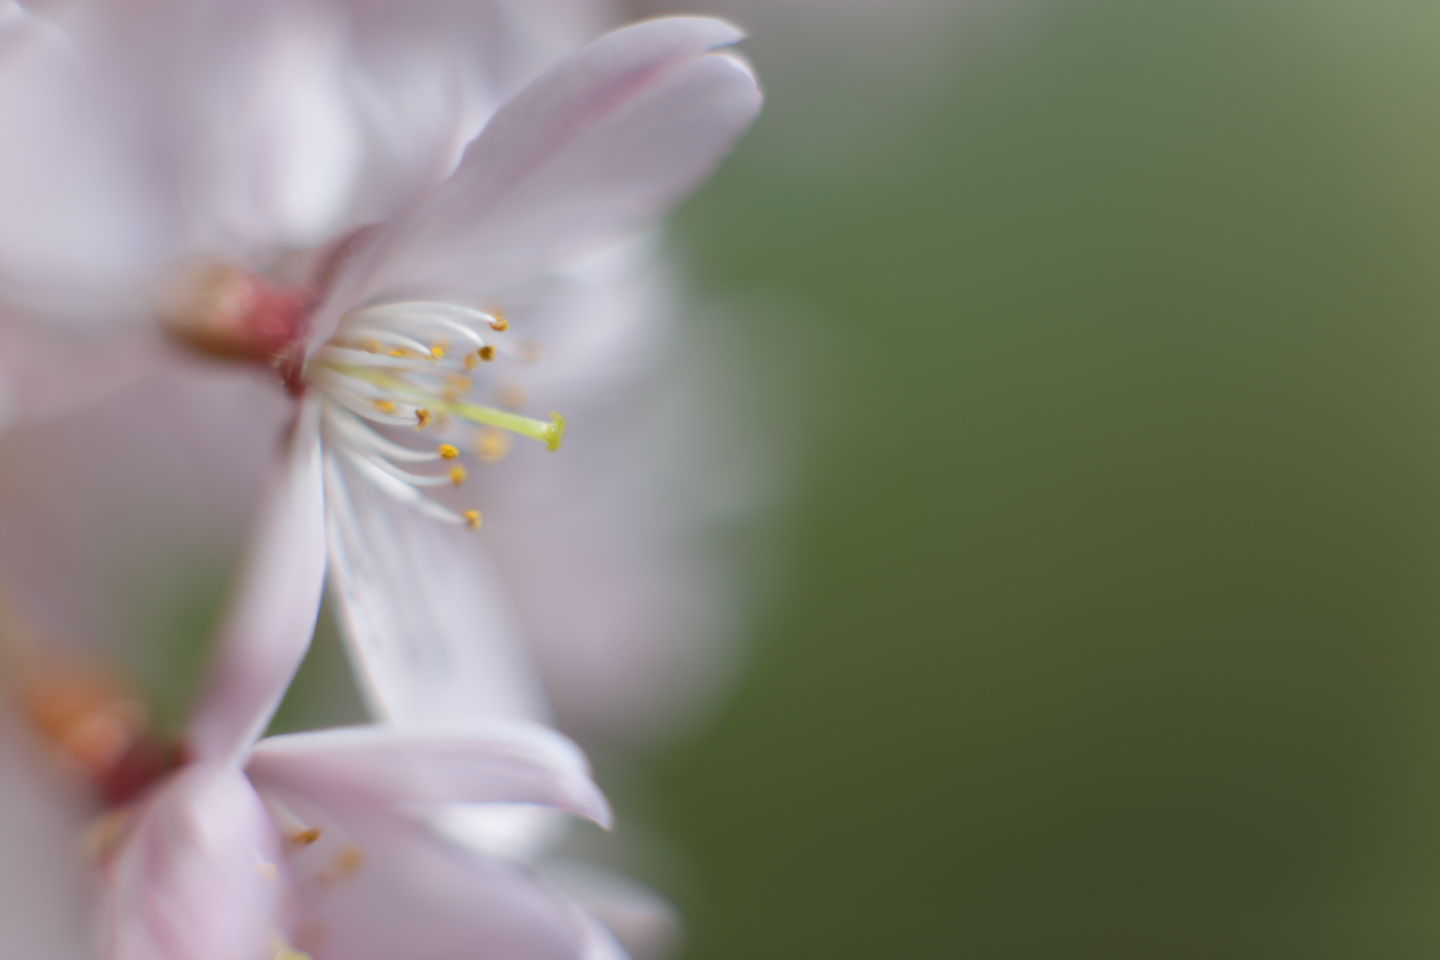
x=409 y=365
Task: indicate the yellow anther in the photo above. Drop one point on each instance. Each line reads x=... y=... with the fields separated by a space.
x=400 y=352
x=438 y=351
x=486 y=353
x=423 y=418
x=449 y=451
x=304 y=838
x=386 y=406
x=471 y=361
x=472 y=519
x=492 y=445
x=458 y=475
x=498 y=321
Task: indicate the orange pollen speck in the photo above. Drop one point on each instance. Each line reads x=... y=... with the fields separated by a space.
x=486 y=353
x=304 y=838
x=472 y=519
x=458 y=475
x=422 y=418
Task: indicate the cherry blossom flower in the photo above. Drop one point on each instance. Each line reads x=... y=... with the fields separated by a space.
x=383 y=326
x=372 y=312
x=313 y=844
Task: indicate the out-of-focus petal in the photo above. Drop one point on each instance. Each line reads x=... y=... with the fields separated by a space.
x=273 y=613
x=94 y=368
x=619 y=524
x=84 y=220
x=197 y=875
x=377 y=766
x=427 y=622
x=600 y=943
x=383 y=890
x=597 y=146
x=120 y=518
x=630 y=918
x=435 y=70
x=44 y=905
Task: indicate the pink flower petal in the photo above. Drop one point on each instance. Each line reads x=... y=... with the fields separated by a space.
x=198 y=873
x=427 y=621
x=623 y=911
x=379 y=768
x=273 y=613
x=390 y=891
x=598 y=146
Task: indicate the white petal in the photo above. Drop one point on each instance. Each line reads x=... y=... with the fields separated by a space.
x=426 y=621
x=377 y=768
x=599 y=145
x=402 y=893
x=622 y=524
x=159 y=480
x=198 y=874
x=85 y=221
x=272 y=616
x=645 y=923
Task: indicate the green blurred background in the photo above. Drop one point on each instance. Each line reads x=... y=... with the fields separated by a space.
x=1105 y=337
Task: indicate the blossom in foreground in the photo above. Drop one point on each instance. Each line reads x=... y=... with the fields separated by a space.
x=389 y=347
x=313 y=844
x=391 y=329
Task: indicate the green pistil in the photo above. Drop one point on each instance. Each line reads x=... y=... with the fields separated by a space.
x=549 y=432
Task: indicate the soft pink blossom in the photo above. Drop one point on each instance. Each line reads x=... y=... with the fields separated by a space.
x=593 y=151
x=320 y=841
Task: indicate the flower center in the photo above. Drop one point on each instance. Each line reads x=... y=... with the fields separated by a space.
x=389 y=365
x=410 y=365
